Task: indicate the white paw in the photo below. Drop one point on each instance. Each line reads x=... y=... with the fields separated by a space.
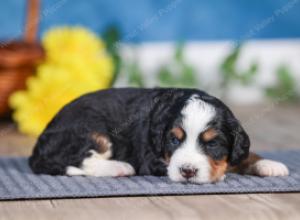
x=123 y=169
x=97 y=166
x=222 y=178
x=266 y=167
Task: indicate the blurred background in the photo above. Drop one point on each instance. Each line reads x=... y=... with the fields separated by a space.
x=245 y=52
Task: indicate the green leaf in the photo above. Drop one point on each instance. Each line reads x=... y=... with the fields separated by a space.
x=248 y=76
x=179 y=52
x=188 y=78
x=165 y=77
x=135 y=77
x=183 y=77
x=228 y=65
x=231 y=74
x=111 y=37
x=285 y=88
x=285 y=78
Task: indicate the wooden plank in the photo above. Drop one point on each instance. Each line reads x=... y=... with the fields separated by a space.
x=246 y=207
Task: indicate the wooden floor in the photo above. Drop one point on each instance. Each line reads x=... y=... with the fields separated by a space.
x=270 y=127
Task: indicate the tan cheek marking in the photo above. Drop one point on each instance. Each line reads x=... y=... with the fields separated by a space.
x=218 y=168
x=209 y=134
x=178 y=132
x=244 y=166
x=102 y=141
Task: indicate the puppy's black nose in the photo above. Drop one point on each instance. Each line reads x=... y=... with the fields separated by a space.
x=188 y=172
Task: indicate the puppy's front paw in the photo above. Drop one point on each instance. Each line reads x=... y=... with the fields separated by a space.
x=266 y=167
x=222 y=178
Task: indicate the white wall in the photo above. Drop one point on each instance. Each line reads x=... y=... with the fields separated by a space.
x=206 y=57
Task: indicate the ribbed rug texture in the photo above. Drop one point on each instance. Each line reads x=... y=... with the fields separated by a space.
x=18 y=182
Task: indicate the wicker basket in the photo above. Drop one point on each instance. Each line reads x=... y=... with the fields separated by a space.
x=18 y=59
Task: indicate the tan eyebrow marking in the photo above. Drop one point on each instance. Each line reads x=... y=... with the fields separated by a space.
x=209 y=134
x=178 y=132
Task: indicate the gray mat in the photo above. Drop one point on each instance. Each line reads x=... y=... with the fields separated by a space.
x=18 y=182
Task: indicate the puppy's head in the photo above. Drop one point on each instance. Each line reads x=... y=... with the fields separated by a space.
x=203 y=140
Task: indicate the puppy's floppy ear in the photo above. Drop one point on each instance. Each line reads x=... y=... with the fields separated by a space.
x=240 y=142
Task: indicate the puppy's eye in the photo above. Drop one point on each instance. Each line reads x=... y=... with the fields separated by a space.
x=176 y=136
x=211 y=143
x=175 y=141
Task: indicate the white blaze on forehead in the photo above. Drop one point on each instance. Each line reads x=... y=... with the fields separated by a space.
x=196 y=116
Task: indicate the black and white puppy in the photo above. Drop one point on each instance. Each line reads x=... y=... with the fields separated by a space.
x=183 y=133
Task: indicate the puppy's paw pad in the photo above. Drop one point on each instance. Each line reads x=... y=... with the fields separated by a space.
x=270 y=168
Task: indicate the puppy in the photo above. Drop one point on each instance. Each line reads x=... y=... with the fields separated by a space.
x=183 y=133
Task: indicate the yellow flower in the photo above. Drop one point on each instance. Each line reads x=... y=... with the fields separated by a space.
x=76 y=63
